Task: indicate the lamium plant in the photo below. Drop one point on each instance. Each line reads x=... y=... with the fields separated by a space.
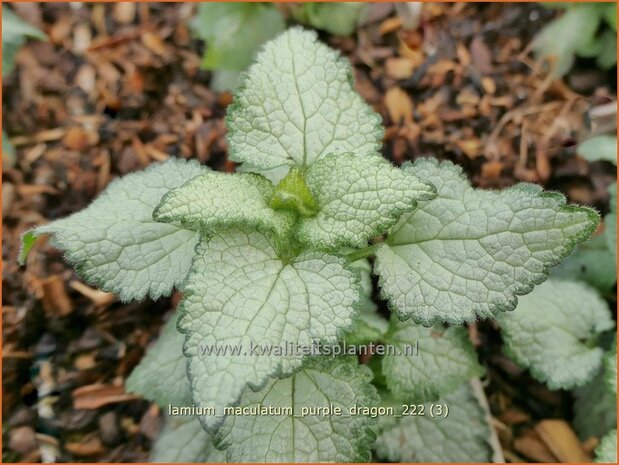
x=279 y=255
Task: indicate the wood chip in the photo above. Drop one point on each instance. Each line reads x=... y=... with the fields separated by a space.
x=124 y=12
x=88 y=448
x=8 y=195
x=399 y=105
x=562 y=441
x=390 y=25
x=99 y=298
x=27 y=190
x=79 y=139
x=85 y=362
x=470 y=147
x=399 y=68
x=154 y=43
x=94 y=396
x=492 y=169
x=56 y=302
x=530 y=445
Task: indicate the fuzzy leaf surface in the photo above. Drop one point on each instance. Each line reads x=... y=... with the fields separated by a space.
x=183 y=439
x=595 y=408
x=460 y=437
x=610 y=368
x=314 y=438
x=358 y=198
x=161 y=376
x=369 y=325
x=606 y=451
x=468 y=253
x=553 y=332
x=301 y=113
x=240 y=293
x=446 y=359
x=215 y=200
x=116 y=245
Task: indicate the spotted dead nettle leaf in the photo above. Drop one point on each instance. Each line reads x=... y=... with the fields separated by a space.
x=553 y=332
x=312 y=437
x=369 y=326
x=606 y=451
x=610 y=368
x=595 y=408
x=469 y=252
x=182 y=439
x=116 y=245
x=296 y=106
x=161 y=376
x=462 y=436
x=241 y=293
x=445 y=359
x=358 y=198
x=215 y=200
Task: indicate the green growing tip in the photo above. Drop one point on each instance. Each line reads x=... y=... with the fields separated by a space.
x=292 y=194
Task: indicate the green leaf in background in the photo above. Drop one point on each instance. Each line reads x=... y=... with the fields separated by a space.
x=462 y=436
x=572 y=32
x=14 y=33
x=182 y=439
x=553 y=332
x=610 y=368
x=116 y=245
x=610 y=222
x=233 y=32
x=446 y=359
x=595 y=408
x=314 y=437
x=606 y=451
x=607 y=58
x=599 y=148
x=8 y=151
x=469 y=252
x=591 y=262
x=336 y=18
x=610 y=14
x=161 y=376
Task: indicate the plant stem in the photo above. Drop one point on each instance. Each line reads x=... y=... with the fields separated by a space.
x=361 y=253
